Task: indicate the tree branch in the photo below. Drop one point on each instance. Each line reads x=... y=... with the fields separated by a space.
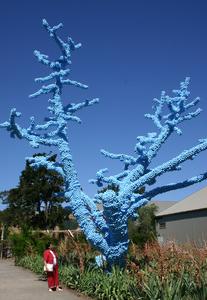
x=65 y=48
x=53 y=75
x=128 y=160
x=15 y=130
x=175 y=186
x=73 y=107
x=166 y=167
x=75 y=83
x=43 y=161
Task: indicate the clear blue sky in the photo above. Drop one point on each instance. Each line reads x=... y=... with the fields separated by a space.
x=131 y=51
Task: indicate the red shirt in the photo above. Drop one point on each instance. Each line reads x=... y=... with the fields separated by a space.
x=48 y=257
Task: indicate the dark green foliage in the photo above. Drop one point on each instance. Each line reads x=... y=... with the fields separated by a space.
x=34 y=263
x=143 y=230
x=35 y=202
x=5 y=216
x=4 y=197
x=28 y=243
x=5 y=220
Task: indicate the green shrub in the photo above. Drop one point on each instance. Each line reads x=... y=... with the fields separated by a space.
x=114 y=286
x=27 y=243
x=33 y=263
x=19 y=245
x=70 y=276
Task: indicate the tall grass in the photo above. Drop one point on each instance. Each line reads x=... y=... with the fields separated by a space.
x=92 y=281
x=155 y=273
x=170 y=272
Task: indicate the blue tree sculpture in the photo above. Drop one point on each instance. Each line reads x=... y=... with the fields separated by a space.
x=107 y=228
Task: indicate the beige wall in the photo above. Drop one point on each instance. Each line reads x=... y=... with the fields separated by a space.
x=183 y=227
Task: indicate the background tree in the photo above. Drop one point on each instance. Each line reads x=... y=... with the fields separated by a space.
x=6 y=215
x=107 y=230
x=4 y=197
x=5 y=221
x=143 y=230
x=36 y=201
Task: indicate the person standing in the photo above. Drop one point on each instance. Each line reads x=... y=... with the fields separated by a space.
x=51 y=267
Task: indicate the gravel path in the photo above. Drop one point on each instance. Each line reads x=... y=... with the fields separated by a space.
x=17 y=283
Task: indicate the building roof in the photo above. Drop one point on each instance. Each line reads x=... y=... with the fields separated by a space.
x=195 y=201
x=162 y=205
